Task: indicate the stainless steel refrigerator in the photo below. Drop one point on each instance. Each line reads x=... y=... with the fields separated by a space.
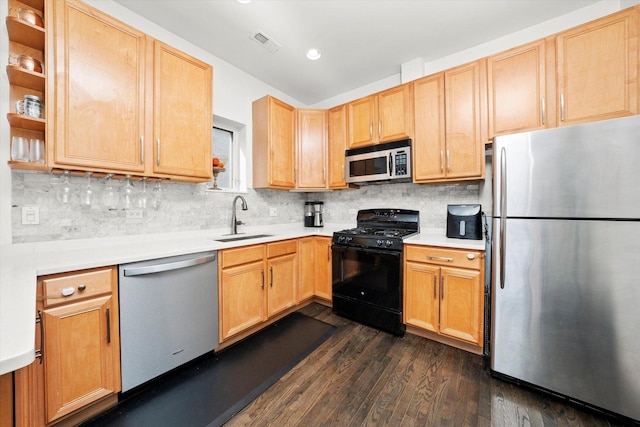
x=566 y=262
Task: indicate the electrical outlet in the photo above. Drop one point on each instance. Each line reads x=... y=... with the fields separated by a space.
x=353 y=211
x=30 y=215
x=134 y=213
x=273 y=212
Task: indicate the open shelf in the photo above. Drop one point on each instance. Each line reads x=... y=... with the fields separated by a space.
x=40 y=167
x=25 y=78
x=26 y=122
x=24 y=33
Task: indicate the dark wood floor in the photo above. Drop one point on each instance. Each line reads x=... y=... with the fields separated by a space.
x=361 y=376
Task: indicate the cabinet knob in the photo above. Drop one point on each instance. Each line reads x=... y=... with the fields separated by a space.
x=82 y=287
x=471 y=256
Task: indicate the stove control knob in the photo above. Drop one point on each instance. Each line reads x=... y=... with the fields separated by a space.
x=348 y=239
x=389 y=243
x=379 y=242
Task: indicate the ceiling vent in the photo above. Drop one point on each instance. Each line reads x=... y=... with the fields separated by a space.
x=265 y=41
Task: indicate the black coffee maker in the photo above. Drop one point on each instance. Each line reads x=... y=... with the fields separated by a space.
x=313 y=214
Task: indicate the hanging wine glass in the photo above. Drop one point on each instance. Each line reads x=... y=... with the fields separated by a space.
x=86 y=195
x=157 y=195
x=109 y=195
x=145 y=197
x=128 y=193
x=64 y=190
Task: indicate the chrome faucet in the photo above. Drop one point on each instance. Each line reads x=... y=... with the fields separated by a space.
x=235 y=222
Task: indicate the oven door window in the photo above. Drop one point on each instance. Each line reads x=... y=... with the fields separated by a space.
x=371 y=276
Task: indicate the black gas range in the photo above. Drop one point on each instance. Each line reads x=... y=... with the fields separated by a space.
x=380 y=228
x=367 y=267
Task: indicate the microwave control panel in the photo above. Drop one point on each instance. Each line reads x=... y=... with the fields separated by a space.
x=401 y=163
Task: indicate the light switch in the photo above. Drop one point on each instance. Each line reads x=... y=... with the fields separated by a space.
x=30 y=215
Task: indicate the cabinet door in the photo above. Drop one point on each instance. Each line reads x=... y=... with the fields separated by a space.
x=461 y=304
x=311 y=138
x=323 y=268
x=273 y=144
x=242 y=300
x=421 y=298
x=337 y=145
x=428 y=149
x=464 y=91
x=362 y=115
x=307 y=268
x=183 y=117
x=283 y=277
x=598 y=69
x=82 y=354
x=516 y=81
x=99 y=90
x=395 y=114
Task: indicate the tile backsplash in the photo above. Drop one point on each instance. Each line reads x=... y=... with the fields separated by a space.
x=188 y=207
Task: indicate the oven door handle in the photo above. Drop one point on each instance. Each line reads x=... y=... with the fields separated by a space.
x=374 y=251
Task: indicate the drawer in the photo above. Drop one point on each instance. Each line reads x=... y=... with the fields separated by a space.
x=282 y=248
x=243 y=255
x=445 y=256
x=63 y=288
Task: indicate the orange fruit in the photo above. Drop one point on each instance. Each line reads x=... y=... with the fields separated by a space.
x=215 y=161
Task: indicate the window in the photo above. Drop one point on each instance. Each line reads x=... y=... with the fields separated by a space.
x=229 y=145
x=223 y=150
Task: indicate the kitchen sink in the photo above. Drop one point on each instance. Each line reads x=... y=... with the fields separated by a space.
x=243 y=237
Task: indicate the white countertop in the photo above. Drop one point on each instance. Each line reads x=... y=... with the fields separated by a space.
x=20 y=264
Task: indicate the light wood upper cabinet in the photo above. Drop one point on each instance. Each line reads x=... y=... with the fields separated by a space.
x=450 y=132
x=311 y=138
x=125 y=103
x=100 y=84
x=273 y=144
x=520 y=96
x=598 y=69
x=383 y=117
x=337 y=120
x=182 y=114
x=429 y=145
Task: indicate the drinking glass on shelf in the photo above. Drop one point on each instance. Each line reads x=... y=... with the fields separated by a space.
x=87 y=193
x=128 y=193
x=145 y=197
x=36 y=150
x=109 y=195
x=19 y=149
x=64 y=190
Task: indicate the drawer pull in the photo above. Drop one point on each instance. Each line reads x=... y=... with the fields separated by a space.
x=82 y=287
x=471 y=256
x=66 y=292
x=439 y=258
x=39 y=353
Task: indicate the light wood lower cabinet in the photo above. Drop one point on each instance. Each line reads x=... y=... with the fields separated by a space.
x=444 y=292
x=314 y=253
x=255 y=283
x=78 y=337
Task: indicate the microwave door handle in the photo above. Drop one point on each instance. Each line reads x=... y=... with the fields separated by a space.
x=390 y=164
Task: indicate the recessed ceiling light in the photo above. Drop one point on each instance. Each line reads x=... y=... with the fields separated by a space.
x=313 y=54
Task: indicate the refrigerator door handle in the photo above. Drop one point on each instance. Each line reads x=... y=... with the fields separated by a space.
x=503 y=213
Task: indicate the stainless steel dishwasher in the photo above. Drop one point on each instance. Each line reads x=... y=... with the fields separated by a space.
x=168 y=314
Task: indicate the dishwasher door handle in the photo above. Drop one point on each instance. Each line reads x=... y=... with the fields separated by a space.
x=159 y=268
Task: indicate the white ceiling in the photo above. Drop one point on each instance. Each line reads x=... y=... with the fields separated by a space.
x=362 y=41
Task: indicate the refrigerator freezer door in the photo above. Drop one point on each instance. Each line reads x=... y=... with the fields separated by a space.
x=568 y=316
x=582 y=171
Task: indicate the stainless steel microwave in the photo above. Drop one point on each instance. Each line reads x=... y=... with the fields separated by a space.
x=389 y=161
